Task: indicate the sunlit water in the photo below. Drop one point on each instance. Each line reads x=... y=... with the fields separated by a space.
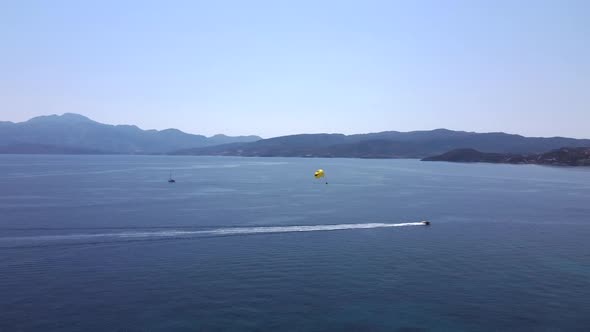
x=104 y=243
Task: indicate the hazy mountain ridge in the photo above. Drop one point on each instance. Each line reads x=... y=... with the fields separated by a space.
x=392 y=144
x=73 y=131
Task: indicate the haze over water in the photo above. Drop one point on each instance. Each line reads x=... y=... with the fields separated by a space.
x=104 y=243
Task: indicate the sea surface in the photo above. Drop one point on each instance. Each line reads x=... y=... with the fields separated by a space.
x=105 y=243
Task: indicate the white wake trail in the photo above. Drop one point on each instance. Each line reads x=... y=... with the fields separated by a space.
x=217 y=231
x=313 y=228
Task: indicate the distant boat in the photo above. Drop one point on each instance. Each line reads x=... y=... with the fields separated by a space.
x=170 y=179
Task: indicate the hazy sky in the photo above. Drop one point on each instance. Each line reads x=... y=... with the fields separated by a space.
x=281 y=67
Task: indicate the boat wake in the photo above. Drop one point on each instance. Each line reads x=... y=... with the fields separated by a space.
x=228 y=231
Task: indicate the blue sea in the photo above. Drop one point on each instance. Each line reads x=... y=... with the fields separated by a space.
x=105 y=243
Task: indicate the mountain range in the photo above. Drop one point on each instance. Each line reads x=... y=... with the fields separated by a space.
x=390 y=144
x=74 y=133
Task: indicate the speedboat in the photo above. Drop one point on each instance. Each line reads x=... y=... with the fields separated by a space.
x=426 y=223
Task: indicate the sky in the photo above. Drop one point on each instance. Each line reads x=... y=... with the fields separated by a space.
x=275 y=67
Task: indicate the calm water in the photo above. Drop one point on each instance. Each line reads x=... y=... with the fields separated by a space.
x=104 y=243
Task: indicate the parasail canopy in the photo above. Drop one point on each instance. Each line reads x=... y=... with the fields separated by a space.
x=319 y=174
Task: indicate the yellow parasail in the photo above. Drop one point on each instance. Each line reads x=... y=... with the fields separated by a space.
x=319 y=174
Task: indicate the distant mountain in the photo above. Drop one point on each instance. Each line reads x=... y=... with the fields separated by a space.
x=391 y=144
x=69 y=132
x=558 y=157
